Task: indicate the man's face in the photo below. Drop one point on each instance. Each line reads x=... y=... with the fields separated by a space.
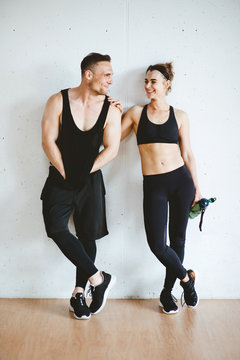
x=102 y=77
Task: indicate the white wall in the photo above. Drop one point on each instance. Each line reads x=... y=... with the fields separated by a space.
x=42 y=44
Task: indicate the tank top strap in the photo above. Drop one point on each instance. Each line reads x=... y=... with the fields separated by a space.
x=144 y=110
x=171 y=111
x=66 y=106
x=143 y=117
x=172 y=117
x=141 y=124
x=103 y=115
x=143 y=114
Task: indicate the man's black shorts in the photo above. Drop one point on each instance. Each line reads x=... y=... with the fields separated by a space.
x=86 y=203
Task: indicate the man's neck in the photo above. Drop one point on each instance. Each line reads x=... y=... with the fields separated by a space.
x=86 y=95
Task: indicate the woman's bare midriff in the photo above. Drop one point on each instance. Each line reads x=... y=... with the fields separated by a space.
x=159 y=158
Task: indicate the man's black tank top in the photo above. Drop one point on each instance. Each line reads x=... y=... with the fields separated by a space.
x=78 y=148
x=148 y=132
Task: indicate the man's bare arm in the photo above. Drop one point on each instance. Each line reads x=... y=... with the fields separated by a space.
x=50 y=131
x=111 y=139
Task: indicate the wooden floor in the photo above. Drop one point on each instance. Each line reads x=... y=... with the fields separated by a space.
x=125 y=329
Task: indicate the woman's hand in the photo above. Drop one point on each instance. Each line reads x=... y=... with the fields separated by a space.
x=117 y=103
x=197 y=197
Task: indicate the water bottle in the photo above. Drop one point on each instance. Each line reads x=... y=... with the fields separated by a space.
x=200 y=206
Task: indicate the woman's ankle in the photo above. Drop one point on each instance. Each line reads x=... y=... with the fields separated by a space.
x=96 y=279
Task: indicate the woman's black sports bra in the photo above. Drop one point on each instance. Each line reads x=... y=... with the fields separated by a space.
x=148 y=132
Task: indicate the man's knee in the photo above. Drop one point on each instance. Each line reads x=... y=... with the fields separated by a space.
x=54 y=233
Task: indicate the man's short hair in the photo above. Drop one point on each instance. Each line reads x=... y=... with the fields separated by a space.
x=90 y=61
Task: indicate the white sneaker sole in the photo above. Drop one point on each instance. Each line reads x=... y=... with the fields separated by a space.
x=84 y=317
x=168 y=312
x=110 y=286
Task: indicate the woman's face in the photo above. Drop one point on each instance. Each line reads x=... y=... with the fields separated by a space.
x=156 y=85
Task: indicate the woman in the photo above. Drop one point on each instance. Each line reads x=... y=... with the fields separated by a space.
x=169 y=178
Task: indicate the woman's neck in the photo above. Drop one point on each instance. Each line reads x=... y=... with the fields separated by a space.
x=159 y=104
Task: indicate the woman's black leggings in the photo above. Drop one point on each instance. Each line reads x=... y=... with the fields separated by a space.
x=175 y=188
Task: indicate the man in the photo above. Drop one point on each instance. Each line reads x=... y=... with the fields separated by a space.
x=75 y=123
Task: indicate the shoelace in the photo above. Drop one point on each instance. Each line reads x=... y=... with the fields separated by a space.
x=183 y=302
x=81 y=301
x=90 y=291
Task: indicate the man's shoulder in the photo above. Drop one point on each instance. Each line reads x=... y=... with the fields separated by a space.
x=113 y=110
x=53 y=106
x=55 y=101
x=57 y=97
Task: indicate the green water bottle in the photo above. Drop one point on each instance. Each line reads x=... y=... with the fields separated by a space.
x=199 y=208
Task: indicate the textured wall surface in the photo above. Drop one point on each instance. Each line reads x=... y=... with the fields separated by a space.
x=42 y=45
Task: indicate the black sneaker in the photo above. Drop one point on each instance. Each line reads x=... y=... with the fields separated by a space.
x=168 y=302
x=79 y=307
x=100 y=292
x=189 y=292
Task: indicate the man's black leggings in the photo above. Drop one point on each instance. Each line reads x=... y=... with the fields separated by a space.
x=58 y=205
x=175 y=188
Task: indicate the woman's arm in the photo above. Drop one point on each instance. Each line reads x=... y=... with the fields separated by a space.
x=126 y=125
x=186 y=152
x=130 y=120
